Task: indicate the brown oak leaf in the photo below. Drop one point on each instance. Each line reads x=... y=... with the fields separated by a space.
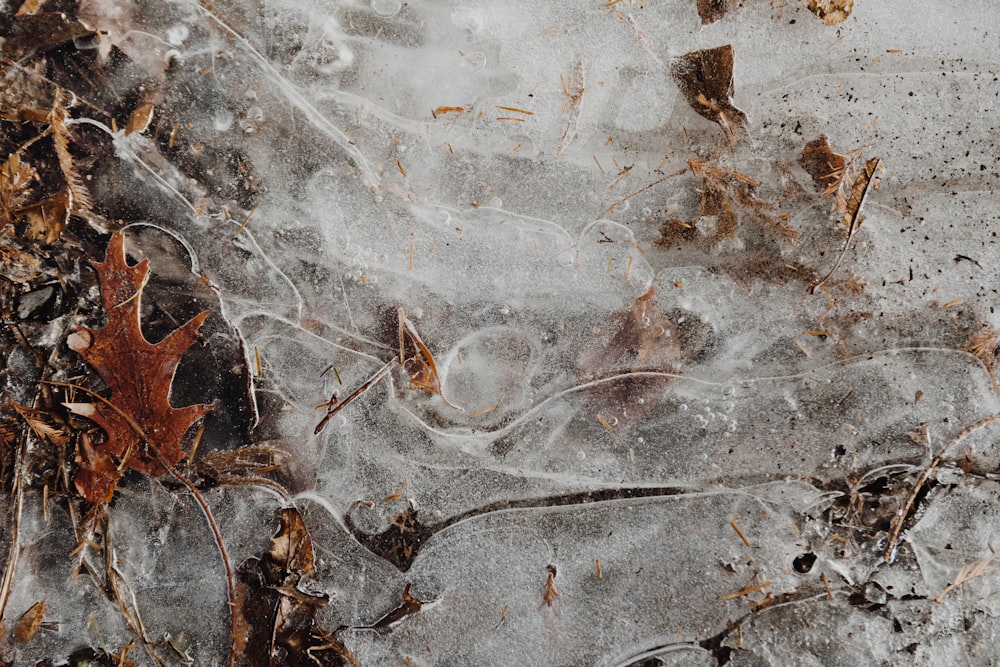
x=142 y=427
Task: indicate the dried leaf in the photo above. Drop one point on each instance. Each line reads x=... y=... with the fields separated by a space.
x=639 y=339
x=47 y=219
x=30 y=7
x=29 y=623
x=717 y=202
x=416 y=359
x=831 y=11
x=825 y=166
x=140 y=119
x=15 y=179
x=706 y=80
x=275 y=615
x=140 y=424
x=550 y=594
x=711 y=11
x=865 y=182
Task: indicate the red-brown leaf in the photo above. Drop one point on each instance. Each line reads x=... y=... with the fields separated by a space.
x=140 y=423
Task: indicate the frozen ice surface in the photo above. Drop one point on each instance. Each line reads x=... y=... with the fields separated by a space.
x=711 y=462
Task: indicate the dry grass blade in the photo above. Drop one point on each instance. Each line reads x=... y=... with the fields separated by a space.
x=335 y=405
x=969 y=572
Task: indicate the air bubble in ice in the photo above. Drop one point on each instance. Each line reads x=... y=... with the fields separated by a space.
x=177 y=34
x=386 y=8
x=223 y=120
x=701 y=420
x=683 y=407
x=466 y=18
x=565 y=258
x=580 y=455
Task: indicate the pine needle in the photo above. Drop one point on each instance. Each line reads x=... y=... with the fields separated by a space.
x=61 y=138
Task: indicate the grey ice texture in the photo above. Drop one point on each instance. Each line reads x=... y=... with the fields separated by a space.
x=511 y=242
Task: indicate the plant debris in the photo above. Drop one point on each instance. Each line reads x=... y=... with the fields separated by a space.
x=825 y=166
x=705 y=78
x=831 y=11
x=711 y=11
x=276 y=612
x=863 y=183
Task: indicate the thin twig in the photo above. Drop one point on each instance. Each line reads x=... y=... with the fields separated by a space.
x=230 y=579
x=640 y=191
x=334 y=406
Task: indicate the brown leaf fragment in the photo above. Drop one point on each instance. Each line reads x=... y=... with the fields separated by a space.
x=711 y=11
x=140 y=423
x=820 y=162
x=831 y=11
x=15 y=180
x=416 y=359
x=866 y=181
x=275 y=615
x=550 y=593
x=291 y=548
x=705 y=78
x=46 y=220
x=29 y=623
x=30 y=7
x=639 y=344
x=717 y=202
x=141 y=117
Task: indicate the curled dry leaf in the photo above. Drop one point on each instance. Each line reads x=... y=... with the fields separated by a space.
x=706 y=80
x=416 y=359
x=141 y=425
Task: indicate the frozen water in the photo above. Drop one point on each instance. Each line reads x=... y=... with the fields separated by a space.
x=708 y=455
